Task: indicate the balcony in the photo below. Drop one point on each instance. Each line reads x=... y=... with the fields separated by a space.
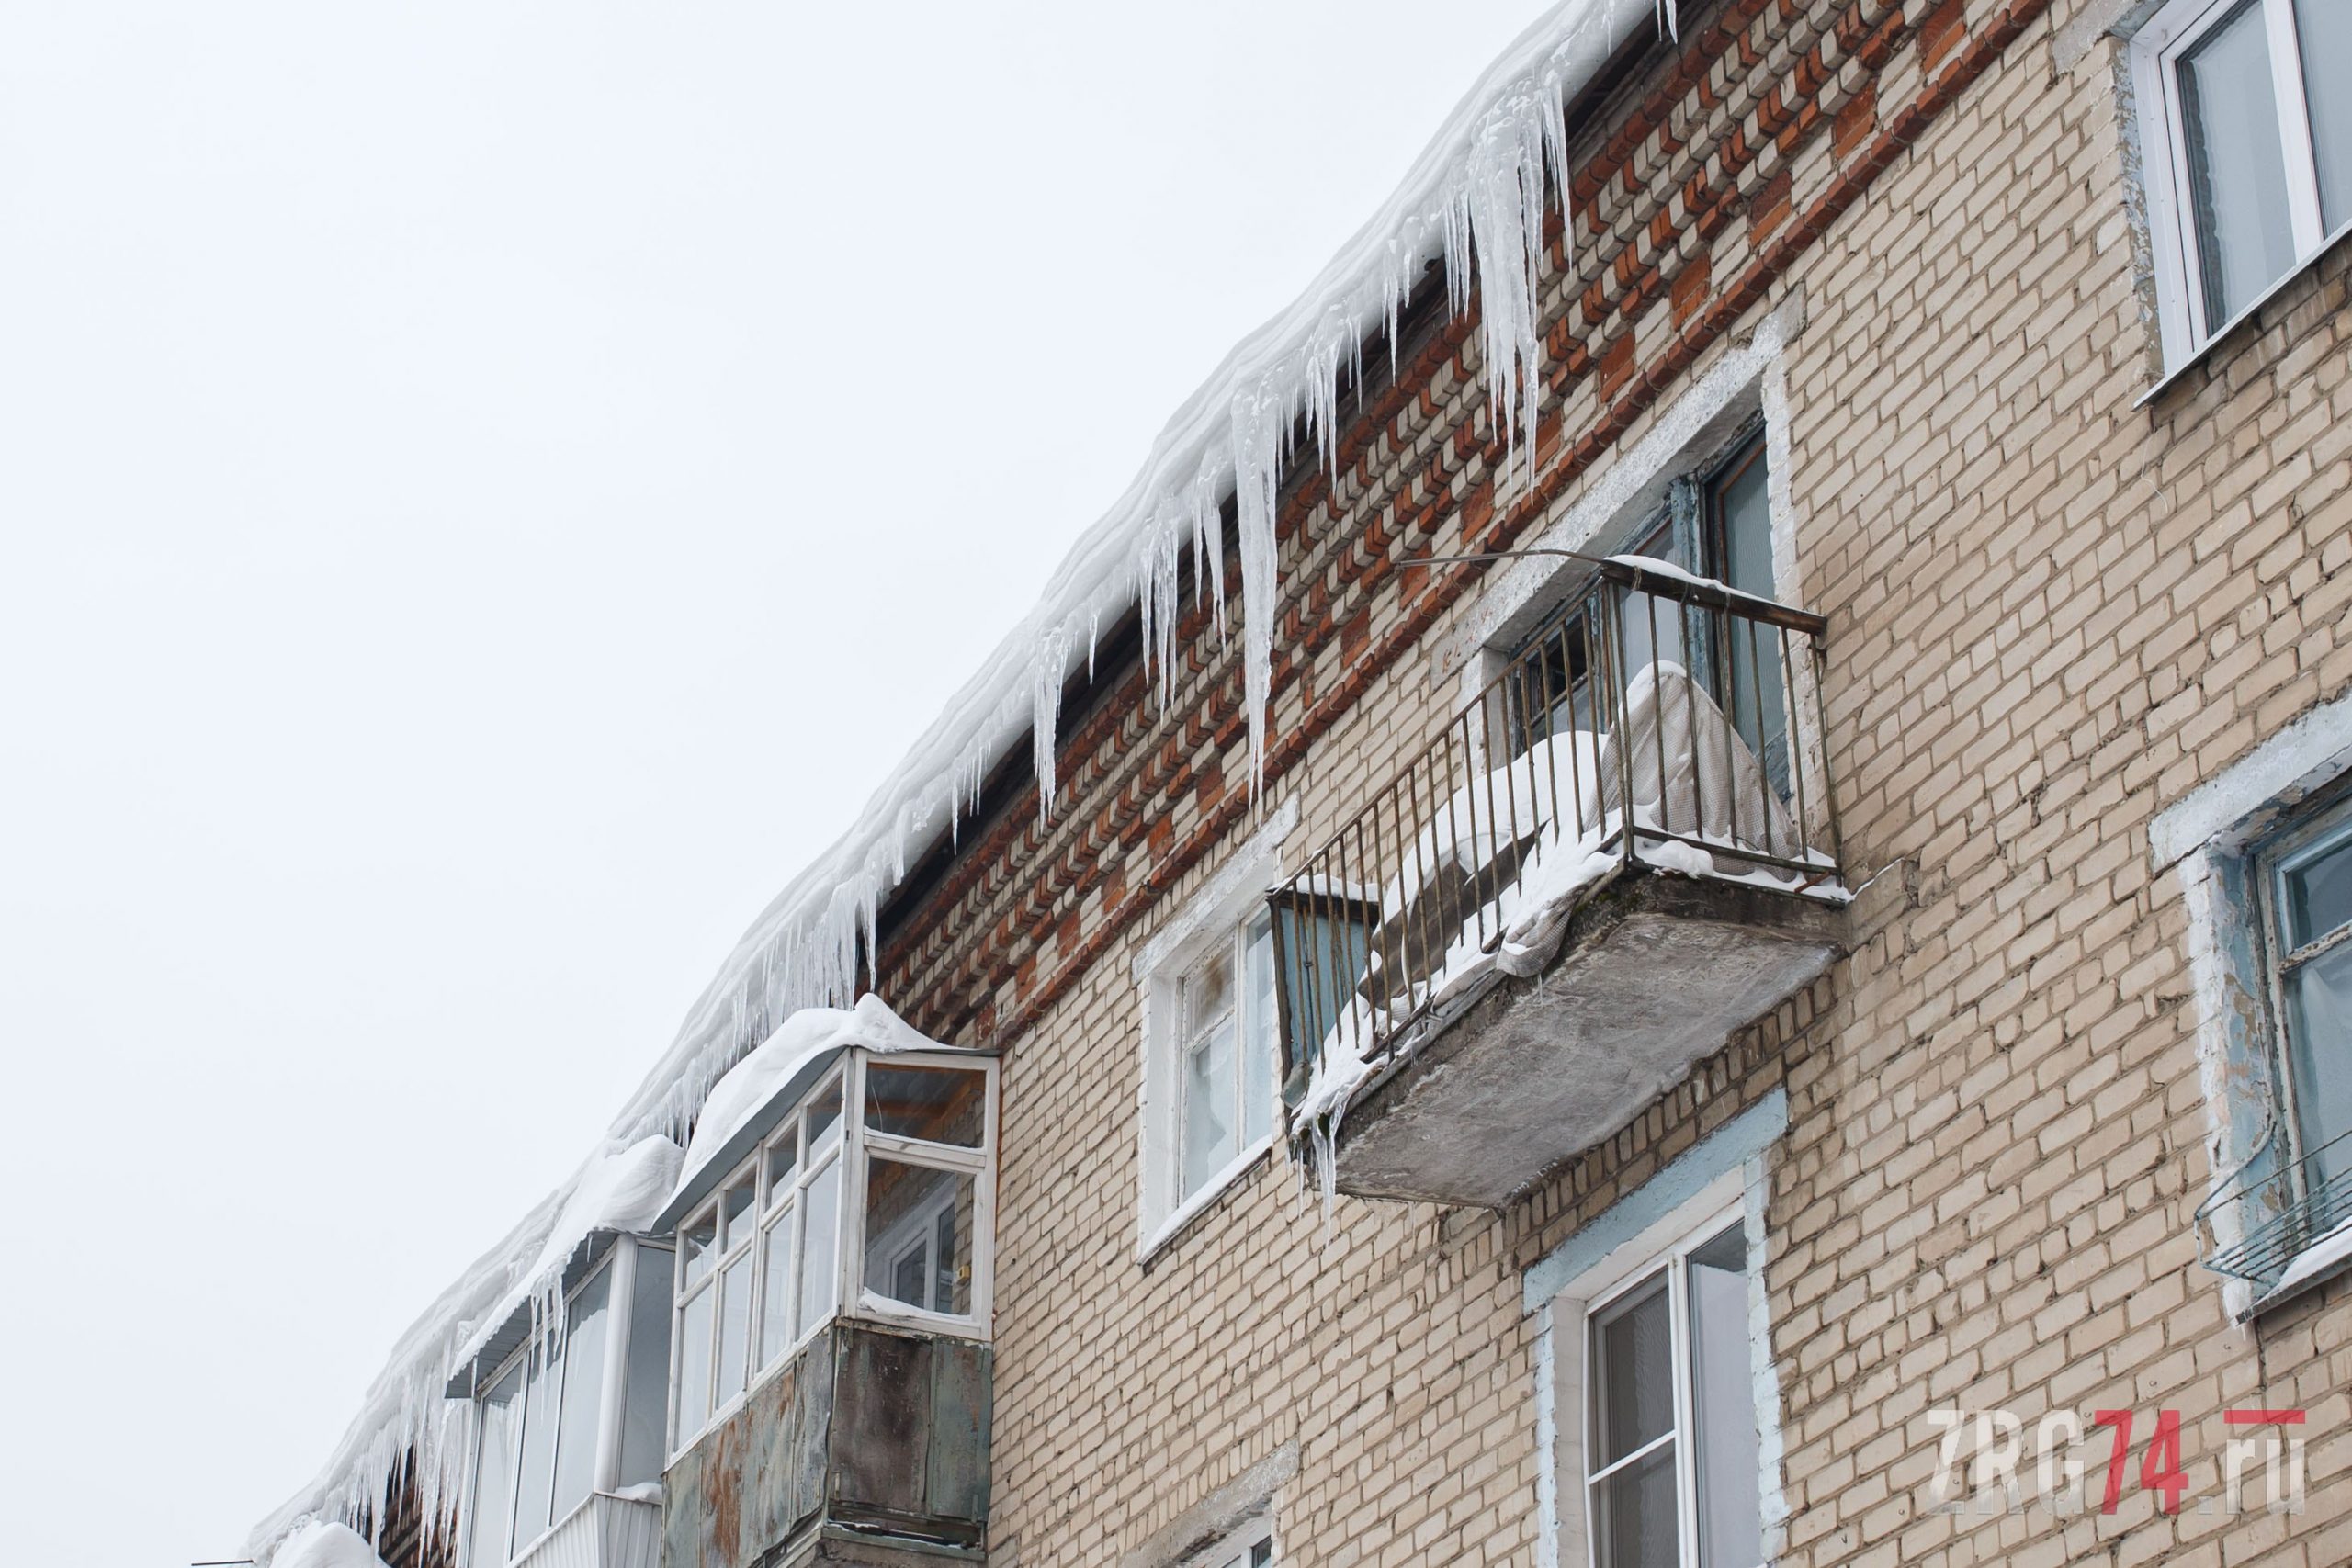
x=1621 y=852
x=869 y=1447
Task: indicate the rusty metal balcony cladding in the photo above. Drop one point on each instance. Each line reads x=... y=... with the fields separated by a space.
x=870 y=1446
x=1623 y=850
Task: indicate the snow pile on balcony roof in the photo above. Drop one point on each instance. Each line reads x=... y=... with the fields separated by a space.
x=323 y=1544
x=621 y=1189
x=804 y=1037
x=1475 y=200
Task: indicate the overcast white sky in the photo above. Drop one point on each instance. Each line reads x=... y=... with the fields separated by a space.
x=486 y=488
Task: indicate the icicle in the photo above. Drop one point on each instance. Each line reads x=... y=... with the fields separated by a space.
x=1261 y=426
x=1047 y=672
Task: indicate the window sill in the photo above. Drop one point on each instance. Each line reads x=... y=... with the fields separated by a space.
x=2327 y=1259
x=1166 y=1232
x=2199 y=355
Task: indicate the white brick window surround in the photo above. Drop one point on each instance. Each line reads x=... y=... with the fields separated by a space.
x=2246 y=130
x=2263 y=852
x=1655 y=1393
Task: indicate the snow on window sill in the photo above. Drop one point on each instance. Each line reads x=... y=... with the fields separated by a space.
x=1166 y=1231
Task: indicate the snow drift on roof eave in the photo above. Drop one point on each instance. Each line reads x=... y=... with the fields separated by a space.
x=384 y=1425
x=621 y=1189
x=1554 y=58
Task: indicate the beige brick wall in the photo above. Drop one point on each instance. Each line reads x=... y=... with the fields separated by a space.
x=2051 y=614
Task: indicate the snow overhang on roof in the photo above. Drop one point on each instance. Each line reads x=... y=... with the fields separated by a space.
x=489 y=1351
x=745 y=1105
x=618 y=1191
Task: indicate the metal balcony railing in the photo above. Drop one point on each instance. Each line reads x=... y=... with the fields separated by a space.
x=1698 y=704
x=2275 y=1221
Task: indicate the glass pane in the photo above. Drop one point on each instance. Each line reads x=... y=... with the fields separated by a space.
x=700 y=1239
x=499 y=1416
x=1211 y=1132
x=1552 y=692
x=734 y=1328
x=775 y=1309
x=1758 y=695
x=538 y=1449
x=2326 y=29
x=2319 y=896
x=1726 y=1445
x=694 y=1365
x=646 y=1385
x=1258 y=1046
x=1633 y=1373
x=735 y=1212
x=1633 y=1515
x=824 y=1120
x=1653 y=626
x=2237 y=173
x=940 y=1105
x=1324 y=957
x=918 y=1229
x=1208 y=992
x=583 y=1393
x=2318 y=1049
x=821 y=1220
x=783 y=1162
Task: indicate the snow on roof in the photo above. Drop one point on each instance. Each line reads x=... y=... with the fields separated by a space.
x=1475 y=199
x=621 y=1189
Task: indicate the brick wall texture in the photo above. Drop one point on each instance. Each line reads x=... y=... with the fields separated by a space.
x=2052 y=613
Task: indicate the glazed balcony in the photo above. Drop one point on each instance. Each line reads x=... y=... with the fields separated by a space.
x=1501 y=961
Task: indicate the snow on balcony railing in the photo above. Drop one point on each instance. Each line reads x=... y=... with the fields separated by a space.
x=1697 y=705
x=2281 y=1223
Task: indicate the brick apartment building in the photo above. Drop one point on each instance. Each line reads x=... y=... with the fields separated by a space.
x=1823 y=1042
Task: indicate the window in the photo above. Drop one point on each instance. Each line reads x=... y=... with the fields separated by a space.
x=574 y=1412
x=1211 y=1090
x=1252 y=1546
x=1322 y=949
x=2246 y=140
x=2307 y=887
x=1662 y=1456
x=762 y=1265
x=1718 y=522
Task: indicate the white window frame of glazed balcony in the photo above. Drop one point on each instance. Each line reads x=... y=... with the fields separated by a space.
x=2190 y=319
x=620 y=1271
x=826 y=1173
x=1228 y=918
